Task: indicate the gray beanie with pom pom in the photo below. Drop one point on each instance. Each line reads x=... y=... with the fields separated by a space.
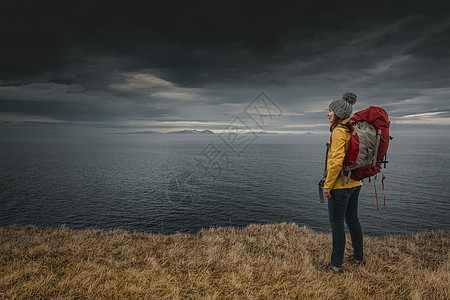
x=343 y=107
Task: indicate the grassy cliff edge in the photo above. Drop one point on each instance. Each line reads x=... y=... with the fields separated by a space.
x=258 y=261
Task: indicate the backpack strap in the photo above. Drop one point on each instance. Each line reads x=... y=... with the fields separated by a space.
x=347 y=127
x=326 y=157
x=343 y=126
x=348 y=176
x=375 y=186
x=382 y=184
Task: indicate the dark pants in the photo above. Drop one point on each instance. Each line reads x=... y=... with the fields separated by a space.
x=344 y=205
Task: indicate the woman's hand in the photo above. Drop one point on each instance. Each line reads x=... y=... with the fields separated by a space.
x=327 y=194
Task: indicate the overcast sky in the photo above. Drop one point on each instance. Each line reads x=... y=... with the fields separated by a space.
x=91 y=67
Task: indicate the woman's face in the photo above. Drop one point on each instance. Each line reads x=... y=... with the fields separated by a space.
x=331 y=115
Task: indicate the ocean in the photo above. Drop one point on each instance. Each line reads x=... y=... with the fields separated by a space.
x=171 y=183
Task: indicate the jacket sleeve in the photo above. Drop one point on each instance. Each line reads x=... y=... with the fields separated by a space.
x=336 y=158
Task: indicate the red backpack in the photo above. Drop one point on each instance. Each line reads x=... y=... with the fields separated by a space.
x=368 y=145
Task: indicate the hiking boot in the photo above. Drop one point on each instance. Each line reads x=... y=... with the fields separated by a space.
x=330 y=268
x=354 y=261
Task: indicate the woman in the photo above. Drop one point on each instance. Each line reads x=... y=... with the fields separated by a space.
x=342 y=199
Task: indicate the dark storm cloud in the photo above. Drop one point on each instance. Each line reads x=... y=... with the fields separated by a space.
x=206 y=42
x=78 y=111
x=214 y=53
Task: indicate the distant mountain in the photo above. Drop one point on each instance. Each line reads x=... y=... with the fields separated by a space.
x=142 y=132
x=253 y=132
x=206 y=131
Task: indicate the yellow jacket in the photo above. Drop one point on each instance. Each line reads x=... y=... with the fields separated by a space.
x=340 y=138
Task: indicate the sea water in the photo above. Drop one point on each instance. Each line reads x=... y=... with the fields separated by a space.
x=185 y=182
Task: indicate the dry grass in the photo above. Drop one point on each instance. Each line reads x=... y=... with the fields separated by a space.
x=256 y=262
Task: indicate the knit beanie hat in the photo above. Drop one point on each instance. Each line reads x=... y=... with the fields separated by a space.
x=343 y=107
